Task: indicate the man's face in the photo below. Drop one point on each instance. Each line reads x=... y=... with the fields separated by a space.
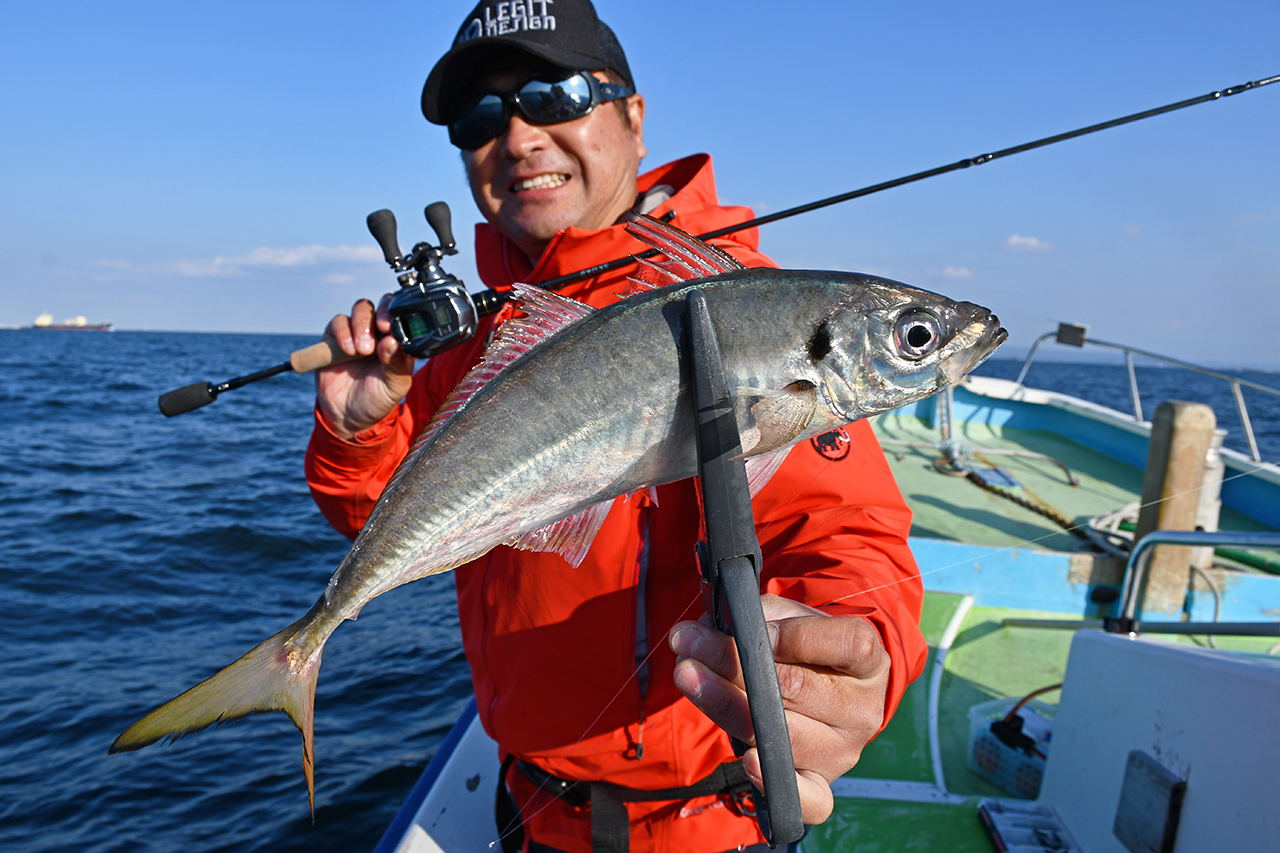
x=536 y=179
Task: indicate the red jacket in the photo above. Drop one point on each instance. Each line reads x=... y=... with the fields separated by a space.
x=554 y=650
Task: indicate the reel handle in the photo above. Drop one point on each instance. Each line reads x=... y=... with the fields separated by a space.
x=440 y=220
x=382 y=225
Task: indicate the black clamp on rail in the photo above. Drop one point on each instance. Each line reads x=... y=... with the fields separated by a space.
x=731 y=561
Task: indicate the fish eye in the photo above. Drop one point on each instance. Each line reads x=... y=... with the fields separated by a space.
x=917 y=334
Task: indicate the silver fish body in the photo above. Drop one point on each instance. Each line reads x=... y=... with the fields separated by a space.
x=599 y=409
x=603 y=409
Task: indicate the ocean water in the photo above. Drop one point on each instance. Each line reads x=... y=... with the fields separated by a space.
x=1108 y=385
x=141 y=554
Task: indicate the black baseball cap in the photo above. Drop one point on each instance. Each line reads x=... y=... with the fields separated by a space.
x=566 y=33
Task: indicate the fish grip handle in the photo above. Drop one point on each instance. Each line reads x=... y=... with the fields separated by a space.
x=730 y=559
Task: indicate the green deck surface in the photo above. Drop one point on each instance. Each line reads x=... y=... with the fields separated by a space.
x=986 y=660
x=954 y=508
x=872 y=826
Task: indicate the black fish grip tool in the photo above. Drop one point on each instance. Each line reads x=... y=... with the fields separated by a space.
x=731 y=559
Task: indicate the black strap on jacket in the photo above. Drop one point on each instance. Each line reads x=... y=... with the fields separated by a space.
x=610 y=826
x=510 y=827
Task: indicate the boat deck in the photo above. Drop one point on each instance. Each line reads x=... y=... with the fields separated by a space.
x=953 y=508
x=985 y=661
x=984 y=559
x=912 y=788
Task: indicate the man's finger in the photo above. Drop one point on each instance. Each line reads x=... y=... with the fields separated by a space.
x=816 y=800
x=705 y=644
x=339 y=329
x=724 y=703
x=846 y=644
x=383 y=314
x=362 y=317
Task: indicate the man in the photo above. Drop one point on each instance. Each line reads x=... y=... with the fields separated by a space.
x=571 y=676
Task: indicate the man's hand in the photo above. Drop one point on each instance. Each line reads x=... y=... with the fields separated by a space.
x=833 y=672
x=355 y=395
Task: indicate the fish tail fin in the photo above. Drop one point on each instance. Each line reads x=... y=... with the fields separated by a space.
x=276 y=675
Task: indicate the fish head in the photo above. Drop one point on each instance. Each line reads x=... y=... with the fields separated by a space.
x=891 y=344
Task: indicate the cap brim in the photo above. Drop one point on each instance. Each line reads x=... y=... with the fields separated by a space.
x=457 y=68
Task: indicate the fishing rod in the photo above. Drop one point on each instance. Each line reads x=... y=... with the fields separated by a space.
x=433 y=311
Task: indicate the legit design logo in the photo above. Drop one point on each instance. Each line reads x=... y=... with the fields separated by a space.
x=512 y=16
x=832 y=445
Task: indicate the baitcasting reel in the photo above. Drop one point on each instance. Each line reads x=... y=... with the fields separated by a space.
x=432 y=311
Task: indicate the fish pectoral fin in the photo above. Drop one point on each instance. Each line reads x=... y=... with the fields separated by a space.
x=780 y=416
x=760 y=469
x=271 y=677
x=570 y=537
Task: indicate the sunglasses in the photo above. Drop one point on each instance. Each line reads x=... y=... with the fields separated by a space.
x=541 y=100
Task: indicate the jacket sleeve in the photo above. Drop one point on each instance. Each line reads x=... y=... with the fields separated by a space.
x=833 y=529
x=347 y=476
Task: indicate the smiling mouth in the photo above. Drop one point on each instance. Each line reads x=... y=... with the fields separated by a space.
x=541 y=182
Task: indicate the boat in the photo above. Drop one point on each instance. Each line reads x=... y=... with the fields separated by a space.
x=72 y=324
x=1061 y=708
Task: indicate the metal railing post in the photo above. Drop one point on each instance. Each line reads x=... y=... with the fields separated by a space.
x=1129 y=352
x=1134 y=570
x=1244 y=420
x=1133 y=387
x=1026 y=365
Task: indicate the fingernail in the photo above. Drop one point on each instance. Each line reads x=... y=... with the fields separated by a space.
x=772 y=628
x=689 y=681
x=684 y=639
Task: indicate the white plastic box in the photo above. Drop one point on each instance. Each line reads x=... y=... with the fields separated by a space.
x=1011 y=769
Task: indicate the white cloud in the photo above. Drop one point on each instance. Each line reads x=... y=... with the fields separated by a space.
x=339 y=278
x=265 y=256
x=1255 y=217
x=958 y=272
x=262 y=257
x=1018 y=243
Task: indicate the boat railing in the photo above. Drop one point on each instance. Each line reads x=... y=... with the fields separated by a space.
x=1131 y=593
x=1075 y=335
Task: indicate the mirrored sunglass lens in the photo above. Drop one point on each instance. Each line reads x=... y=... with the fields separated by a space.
x=481 y=124
x=555 y=101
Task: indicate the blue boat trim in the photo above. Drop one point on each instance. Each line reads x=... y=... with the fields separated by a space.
x=400 y=824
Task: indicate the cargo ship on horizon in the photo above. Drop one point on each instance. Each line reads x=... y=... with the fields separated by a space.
x=73 y=324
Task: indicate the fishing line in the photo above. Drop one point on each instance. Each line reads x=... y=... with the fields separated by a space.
x=589 y=272
x=542 y=785
x=490 y=301
x=1025 y=542
x=922 y=574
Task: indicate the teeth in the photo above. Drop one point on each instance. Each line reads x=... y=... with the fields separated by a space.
x=539 y=183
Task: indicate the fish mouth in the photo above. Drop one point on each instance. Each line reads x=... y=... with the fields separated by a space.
x=548 y=181
x=971 y=347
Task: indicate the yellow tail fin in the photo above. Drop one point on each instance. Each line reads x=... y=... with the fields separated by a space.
x=275 y=676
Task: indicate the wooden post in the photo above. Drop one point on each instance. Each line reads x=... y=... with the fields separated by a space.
x=1181 y=435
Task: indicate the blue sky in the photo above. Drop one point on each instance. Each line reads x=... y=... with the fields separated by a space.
x=208 y=166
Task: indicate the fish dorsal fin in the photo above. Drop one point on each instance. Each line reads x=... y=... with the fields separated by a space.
x=690 y=258
x=545 y=314
x=570 y=537
x=760 y=469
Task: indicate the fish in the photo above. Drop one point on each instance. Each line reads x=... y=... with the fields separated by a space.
x=593 y=405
